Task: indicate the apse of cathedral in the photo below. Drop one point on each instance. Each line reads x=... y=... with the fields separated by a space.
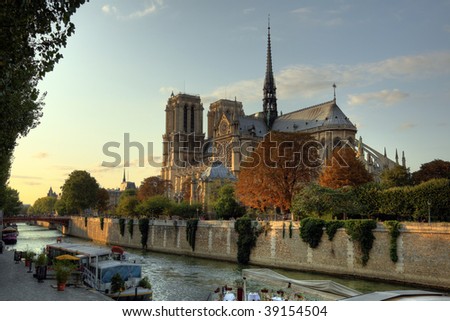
x=192 y=161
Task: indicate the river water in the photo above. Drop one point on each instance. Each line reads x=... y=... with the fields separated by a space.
x=179 y=277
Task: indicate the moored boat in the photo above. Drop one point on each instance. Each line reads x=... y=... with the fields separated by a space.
x=268 y=285
x=9 y=235
x=100 y=268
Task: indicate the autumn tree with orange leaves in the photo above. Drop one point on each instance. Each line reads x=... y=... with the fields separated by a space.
x=278 y=168
x=152 y=186
x=344 y=169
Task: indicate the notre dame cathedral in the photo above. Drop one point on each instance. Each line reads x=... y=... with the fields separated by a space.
x=193 y=160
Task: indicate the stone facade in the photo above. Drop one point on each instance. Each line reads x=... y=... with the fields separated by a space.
x=423 y=251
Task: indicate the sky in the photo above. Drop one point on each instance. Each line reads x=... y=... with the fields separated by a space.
x=390 y=61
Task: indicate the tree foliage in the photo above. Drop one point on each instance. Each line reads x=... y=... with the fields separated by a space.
x=278 y=168
x=128 y=206
x=11 y=203
x=396 y=176
x=434 y=169
x=80 y=191
x=154 y=206
x=152 y=186
x=32 y=34
x=102 y=201
x=44 y=205
x=344 y=169
x=227 y=206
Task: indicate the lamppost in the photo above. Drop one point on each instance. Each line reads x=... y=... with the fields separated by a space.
x=429 y=212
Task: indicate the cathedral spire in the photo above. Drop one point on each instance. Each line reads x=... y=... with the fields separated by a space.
x=269 y=90
x=124 y=179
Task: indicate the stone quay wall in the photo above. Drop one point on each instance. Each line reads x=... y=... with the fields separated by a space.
x=423 y=250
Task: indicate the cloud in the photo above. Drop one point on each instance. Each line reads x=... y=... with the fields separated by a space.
x=108 y=9
x=151 y=8
x=309 y=80
x=26 y=177
x=40 y=155
x=248 y=10
x=411 y=67
x=302 y=11
x=406 y=126
x=318 y=17
x=384 y=97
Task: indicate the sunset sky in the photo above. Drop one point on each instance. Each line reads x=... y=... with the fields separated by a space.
x=390 y=61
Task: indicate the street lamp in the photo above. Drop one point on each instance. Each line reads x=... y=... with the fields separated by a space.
x=429 y=212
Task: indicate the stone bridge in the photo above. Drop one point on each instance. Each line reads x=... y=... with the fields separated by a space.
x=24 y=219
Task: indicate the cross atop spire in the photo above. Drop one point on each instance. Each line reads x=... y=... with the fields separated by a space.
x=334 y=89
x=269 y=89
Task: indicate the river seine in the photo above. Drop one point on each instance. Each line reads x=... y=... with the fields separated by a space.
x=181 y=278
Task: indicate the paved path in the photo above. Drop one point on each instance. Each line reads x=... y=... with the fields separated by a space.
x=16 y=284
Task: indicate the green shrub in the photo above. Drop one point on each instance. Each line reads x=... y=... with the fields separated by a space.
x=331 y=228
x=143 y=228
x=311 y=230
x=130 y=227
x=191 y=230
x=361 y=232
x=122 y=226
x=247 y=236
x=394 y=231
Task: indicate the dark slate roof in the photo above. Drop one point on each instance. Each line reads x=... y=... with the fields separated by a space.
x=327 y=114
x=252 y=124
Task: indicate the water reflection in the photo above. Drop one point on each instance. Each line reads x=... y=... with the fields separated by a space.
x=179 y=277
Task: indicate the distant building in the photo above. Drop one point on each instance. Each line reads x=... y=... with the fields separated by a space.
x=51 y=193
x=125 y=185
x=114 y=193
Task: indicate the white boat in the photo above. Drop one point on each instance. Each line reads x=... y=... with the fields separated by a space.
x=401 y=295
x=273 y=286
x=98 y=266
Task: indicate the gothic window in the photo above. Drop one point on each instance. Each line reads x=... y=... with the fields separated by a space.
x=192 y=119
x=185 y=113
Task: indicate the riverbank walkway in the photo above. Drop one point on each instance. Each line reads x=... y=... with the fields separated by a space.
x=16 y=284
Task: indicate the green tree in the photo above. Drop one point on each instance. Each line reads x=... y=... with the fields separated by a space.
x=11 y=202
x=31 y=36
x=226 y=206
x=396 y=176
x=324 y=202
x=186 y=210
x=61 y=208
x=155 y=206
x=102 y=200
x=434 y=169
x=80 y=191
x=128 y=206
x=44 y=205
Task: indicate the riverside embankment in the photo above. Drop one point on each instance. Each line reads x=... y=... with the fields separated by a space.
x=423 y=250
x=17 y=284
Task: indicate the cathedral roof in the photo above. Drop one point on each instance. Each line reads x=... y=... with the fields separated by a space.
x=127 y=185
x=253 y=124
x=216 y=171
x=327 y=114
